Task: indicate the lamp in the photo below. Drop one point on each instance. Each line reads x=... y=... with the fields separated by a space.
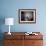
x=9 y=21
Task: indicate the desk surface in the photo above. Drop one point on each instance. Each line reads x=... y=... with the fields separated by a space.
x=22 y=35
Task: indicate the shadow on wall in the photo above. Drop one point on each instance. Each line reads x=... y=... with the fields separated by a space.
x=2 y=21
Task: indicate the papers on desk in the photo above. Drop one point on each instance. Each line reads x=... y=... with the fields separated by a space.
x=30 y=33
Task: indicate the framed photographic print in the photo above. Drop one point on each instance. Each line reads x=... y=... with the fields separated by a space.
x=27 y=15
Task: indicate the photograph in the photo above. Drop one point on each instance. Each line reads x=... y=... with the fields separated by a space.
x=27 y=15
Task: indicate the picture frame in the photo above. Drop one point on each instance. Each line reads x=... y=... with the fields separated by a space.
x=27 y=16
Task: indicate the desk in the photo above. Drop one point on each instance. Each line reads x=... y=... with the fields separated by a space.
x=20 y=39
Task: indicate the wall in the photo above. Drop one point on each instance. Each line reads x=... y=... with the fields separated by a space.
x=9 y=8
